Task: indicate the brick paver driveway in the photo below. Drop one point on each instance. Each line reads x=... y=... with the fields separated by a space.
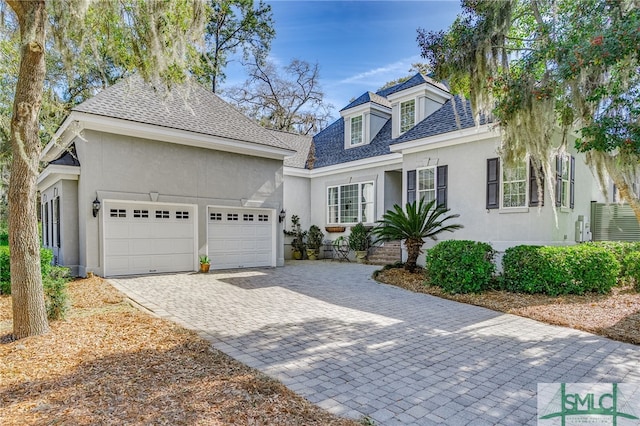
x=359 y=348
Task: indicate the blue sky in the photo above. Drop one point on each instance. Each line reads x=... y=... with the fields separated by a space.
x=360 y=45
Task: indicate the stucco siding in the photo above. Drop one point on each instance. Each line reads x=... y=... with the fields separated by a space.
x=503 y=227
x=133 y=169
x=297 y=201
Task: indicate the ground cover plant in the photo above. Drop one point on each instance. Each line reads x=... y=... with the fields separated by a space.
x=109 y=363
x=615 y=315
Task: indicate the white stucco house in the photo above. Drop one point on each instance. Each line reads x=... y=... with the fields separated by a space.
x=141 y=181
x=408 y=141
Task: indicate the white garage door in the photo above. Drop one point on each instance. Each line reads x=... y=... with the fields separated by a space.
x=240 y=238
x=148 y=238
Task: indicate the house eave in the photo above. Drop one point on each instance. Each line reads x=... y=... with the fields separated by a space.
x=457 y=137
x=365 y=163
x=78 y=121
x=55 y=172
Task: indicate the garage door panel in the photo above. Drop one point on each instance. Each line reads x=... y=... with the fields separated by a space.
x=147 y=238
x=245 y=242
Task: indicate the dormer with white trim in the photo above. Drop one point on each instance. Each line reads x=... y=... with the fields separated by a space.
x=363 y=119
x=409 y=106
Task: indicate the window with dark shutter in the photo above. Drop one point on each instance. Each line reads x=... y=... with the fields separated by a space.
x=411 y=186
x=558 y=181
x=534 y=199
x=441 y=185
x=572 y=182
x=493 y=183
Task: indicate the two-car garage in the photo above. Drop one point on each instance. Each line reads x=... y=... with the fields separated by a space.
x=145 y=237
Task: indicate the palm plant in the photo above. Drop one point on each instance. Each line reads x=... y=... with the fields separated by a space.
x=416 y=223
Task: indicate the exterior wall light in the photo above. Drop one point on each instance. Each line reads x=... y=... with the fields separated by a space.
x=282 y=215
x=96 y=206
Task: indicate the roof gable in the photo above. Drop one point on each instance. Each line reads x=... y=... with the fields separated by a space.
x=188 y=106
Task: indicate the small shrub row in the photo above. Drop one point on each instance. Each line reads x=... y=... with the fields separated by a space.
x=467 y=267
x=461 y=266
x=559 y=270
x=54 y=281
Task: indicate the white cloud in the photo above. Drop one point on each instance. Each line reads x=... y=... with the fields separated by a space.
x=386 y=72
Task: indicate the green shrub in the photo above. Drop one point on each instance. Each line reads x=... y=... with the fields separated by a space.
x=56 y=298
x=46 y=256
x=631 y=266
x=559 y=270
x=460 y=266
x=620 y=249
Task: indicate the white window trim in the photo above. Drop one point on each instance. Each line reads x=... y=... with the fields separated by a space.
x=360 y=185
x=351 y=144
x=400 y=115
x=435 y=182
x=526 y=188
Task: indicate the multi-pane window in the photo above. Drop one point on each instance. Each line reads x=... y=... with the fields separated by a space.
x=182 y=215
x=247 y=217
x=263 y=218
x=427 y=184
x=356 y=130
x=232 y=217
x=141 y=214
x=162 y=214
x=514 y=185
x=215 y=216
x=407 y=115
x=117 y=213
x=351 y=203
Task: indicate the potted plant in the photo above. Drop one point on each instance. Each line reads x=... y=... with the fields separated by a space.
x=359 y=241
x=205 y=263
x=314 y=242
x=298 y=242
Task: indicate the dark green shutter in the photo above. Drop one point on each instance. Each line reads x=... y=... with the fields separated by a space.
x=411 y=186
x=572 y=177
x=493 y=183
x=441 y=188
x=534 y=200
x=558 y=181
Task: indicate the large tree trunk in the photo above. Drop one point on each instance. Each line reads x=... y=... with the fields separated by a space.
x=29 y=313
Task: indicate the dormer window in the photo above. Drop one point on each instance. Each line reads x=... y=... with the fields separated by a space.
x=356 y=130
x=407 y=115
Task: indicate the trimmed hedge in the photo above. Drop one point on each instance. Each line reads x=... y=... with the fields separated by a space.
x=460 y=266
x=631 y=266
x=46 y=256
x=620 y=249
x=559 y=270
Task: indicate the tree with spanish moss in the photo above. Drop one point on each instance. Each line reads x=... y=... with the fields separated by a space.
x=545 y=68
x=150 y=37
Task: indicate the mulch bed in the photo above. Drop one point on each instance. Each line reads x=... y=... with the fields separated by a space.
x=615 y=315
x=109 y=363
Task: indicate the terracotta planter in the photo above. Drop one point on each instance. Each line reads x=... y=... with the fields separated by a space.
x=334 y=228
x=204 y=267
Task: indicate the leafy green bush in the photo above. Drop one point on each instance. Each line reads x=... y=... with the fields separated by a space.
x=359 y=238
x=56 y=298
x=460 y=266
x=620 y=249
x=559 y=270
x=46 y=256
x=631 y=266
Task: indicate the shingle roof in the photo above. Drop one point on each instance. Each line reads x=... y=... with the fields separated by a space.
x=369 y=97
x=413 y=81
x=67 y=158
x=188 y=106
x=444 y=120
x=329 y=145
x=299 y=143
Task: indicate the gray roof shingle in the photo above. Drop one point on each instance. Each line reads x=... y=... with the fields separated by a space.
x=329 y=143
x=299 y=143
x=368 y=97
x=188 y=106
x=442 y=121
